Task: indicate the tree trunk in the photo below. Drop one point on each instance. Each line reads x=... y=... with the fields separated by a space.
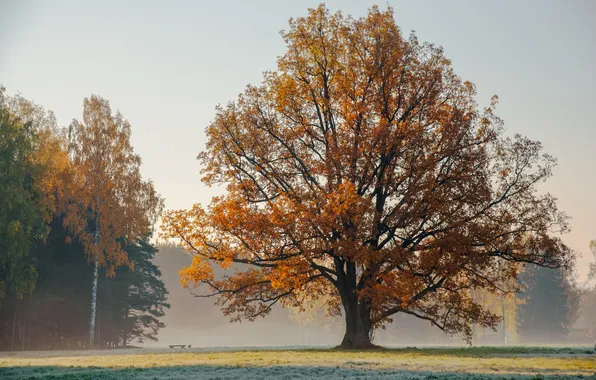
x=99 y=343
x=125 y=333
x=94 y=288
x=358 y=324
x=29 y=338
x=93 y=303
x=22 y=328
x=14 y=326
x=504 y=322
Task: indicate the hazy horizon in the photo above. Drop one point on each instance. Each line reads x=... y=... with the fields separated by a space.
x=166 y=67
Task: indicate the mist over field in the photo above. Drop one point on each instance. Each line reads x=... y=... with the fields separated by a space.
x=197 y=321
x=297 y=190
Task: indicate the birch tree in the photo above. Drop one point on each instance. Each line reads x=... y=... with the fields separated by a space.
x=107 y=204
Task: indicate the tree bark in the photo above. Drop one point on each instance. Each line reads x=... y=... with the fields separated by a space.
x=22 y=328
x=93 y=303
x=94 y=289
x=358 y=324
x=504 y=322
x=14 y=326
x=29 y=337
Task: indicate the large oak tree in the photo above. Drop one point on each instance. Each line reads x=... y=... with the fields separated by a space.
x=363 y=169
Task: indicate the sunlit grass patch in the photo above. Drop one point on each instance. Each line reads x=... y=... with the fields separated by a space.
x=424 y=363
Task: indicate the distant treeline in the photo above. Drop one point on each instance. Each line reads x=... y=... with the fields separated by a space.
x=56 y=314
x=75 y=223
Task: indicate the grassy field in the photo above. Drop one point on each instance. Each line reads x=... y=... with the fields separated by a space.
x=425 y=363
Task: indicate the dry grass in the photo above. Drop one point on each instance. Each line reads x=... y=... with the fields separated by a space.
x=428 y=363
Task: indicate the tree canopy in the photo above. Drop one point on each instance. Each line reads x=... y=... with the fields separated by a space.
x=21 y=221
x=33 y=160
x=364 y=168
x=107 y=195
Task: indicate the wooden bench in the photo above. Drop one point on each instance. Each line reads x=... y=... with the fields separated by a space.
x=180 y=345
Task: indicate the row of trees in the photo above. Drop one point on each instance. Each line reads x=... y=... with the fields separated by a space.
x=69 y=198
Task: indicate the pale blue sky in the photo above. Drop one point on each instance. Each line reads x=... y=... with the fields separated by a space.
x=166 y=65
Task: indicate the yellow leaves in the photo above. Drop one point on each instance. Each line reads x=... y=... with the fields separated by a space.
x=105 y=201
x=344 y=203
x=198 y=271
x=290 y=274
x=178 y=223
x=52 y=156
x=279 y=277
x=404 y=302
x=14 y=227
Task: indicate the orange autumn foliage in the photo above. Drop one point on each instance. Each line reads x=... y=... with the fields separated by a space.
x=50 y=154
x=106 y=193
x=364 y=169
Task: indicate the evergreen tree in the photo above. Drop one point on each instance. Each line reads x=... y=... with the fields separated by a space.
x=55 y=315
x=548 y=304
x=134 y=300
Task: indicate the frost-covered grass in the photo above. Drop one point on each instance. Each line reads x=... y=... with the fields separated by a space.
x=426 y=363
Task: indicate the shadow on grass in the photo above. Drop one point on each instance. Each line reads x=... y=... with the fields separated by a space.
x=203 y=372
